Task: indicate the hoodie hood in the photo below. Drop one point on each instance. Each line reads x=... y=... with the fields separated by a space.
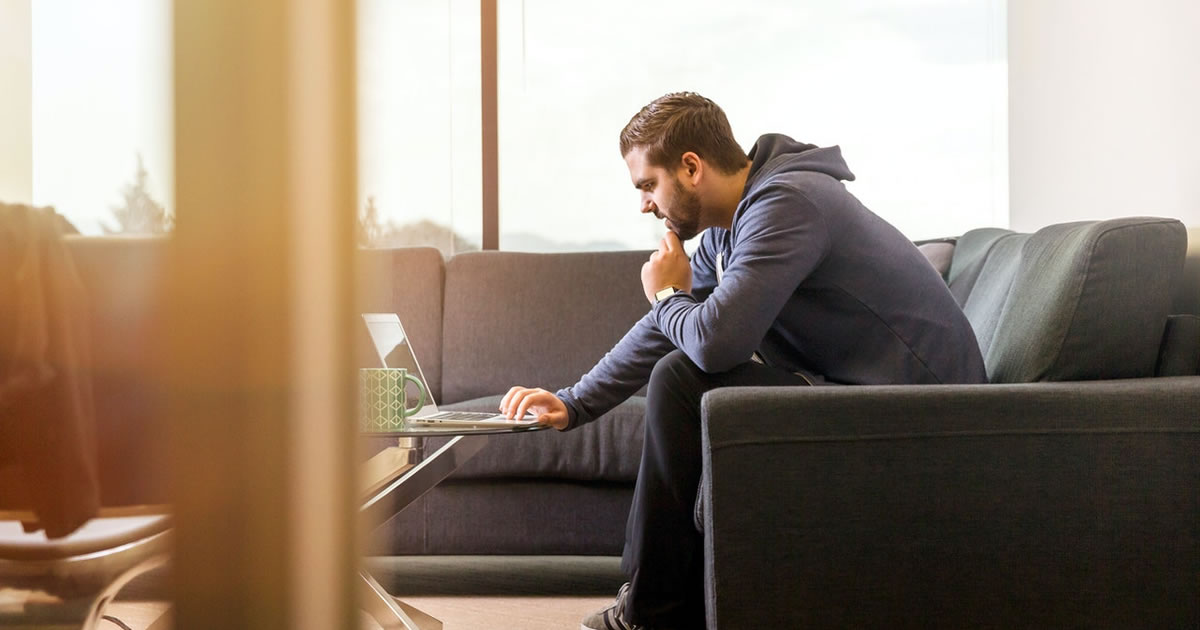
x=776 y=153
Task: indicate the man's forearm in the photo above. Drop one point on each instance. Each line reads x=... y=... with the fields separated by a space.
x=623 y=371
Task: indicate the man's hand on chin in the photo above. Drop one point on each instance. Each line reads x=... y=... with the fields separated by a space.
x=667 y=267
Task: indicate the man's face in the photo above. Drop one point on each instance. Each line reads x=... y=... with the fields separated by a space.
x=664 y=195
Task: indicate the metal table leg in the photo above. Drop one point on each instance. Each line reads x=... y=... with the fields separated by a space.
x=394 y=480
x=393 y=493
x=389 y=612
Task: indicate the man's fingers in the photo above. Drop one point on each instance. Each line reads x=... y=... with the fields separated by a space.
x=504 y=402
x=515 y=403
x=671 y=240
x=513 y=399
x=532 y=397
x=526 y=402
x=520 y=400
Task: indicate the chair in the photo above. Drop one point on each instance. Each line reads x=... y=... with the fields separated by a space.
x=53 y=472
x=68 y=582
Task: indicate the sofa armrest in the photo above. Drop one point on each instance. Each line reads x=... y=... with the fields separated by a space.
x=1031 y=505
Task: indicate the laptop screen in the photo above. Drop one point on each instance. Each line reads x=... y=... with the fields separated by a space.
x=394 y=350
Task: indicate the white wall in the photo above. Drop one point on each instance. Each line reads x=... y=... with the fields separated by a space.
x=16 y=105
x=1104 y=110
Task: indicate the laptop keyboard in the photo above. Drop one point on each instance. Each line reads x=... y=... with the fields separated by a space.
x=459 y=415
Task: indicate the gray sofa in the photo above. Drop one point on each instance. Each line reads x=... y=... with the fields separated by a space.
x=480 y=323
x=1066 y=493
x=1056 y=497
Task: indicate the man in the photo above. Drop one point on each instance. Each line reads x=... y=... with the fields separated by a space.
x=795 y=282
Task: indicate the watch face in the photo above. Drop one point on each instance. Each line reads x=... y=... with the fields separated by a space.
x=664 y=294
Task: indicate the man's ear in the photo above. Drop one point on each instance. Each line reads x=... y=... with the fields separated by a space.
x=692 y=166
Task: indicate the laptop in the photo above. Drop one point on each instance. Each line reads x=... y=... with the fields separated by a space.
x=394 y=350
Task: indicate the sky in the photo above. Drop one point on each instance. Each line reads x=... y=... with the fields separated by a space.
x=914 y=92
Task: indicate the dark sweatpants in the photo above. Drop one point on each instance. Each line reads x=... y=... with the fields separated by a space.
x=664 y=555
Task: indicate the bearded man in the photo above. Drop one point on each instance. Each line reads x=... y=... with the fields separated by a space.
x=794 y=282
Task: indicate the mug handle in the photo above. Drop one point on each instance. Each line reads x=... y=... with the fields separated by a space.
x=420 y=388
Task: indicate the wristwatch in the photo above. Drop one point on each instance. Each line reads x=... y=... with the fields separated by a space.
x=663 y=294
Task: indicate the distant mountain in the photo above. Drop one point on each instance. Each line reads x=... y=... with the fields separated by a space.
x=530 y=242
x=426 y=233
x=422 y=233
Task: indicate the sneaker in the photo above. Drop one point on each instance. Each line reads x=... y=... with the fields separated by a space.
x=611 y=618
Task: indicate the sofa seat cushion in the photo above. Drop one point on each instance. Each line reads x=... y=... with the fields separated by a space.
x=1074 y=301
x=608 y=449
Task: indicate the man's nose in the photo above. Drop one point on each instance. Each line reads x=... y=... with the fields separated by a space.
x=647 y=206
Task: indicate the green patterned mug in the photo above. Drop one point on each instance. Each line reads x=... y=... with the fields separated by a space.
x=383 y=398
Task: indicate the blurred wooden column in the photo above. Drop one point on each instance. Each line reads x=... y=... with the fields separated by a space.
x=259 y=381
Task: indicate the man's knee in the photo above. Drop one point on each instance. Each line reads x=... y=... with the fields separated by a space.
x=673 y=396
x=673 y=369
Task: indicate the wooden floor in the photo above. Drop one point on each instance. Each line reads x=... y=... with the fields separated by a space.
x=458 y=612
x=464 y=592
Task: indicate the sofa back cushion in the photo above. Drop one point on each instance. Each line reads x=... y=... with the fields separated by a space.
x=538 y=320
x=939 y=254
x=992 y=284
x=1180 y=352
x=1073 y=301
x=967 y=259
x=407 y=281
x=1187 y=298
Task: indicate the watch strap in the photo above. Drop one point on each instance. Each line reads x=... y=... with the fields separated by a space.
x=663 y=294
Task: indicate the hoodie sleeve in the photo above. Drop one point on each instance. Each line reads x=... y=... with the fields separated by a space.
x=627 y=367
x=704 y=264
x=623 y=371
x=778 y=240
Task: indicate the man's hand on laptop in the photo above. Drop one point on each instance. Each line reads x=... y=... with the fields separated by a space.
x=545 y=405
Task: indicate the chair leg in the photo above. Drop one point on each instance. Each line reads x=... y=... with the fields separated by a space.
x=102 y=599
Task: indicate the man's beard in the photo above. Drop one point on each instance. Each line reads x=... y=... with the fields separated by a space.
x=685 y=216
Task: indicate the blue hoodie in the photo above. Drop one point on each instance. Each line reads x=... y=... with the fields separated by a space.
x=812 y=280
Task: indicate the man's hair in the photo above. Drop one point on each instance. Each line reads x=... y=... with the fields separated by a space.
x=679 y=122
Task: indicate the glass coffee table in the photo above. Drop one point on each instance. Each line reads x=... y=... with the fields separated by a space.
x=399 y=475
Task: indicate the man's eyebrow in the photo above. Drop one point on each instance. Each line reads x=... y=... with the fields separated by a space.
x=642 y=182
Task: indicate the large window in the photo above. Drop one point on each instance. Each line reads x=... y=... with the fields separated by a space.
x=419 y=123
x=913 y=91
